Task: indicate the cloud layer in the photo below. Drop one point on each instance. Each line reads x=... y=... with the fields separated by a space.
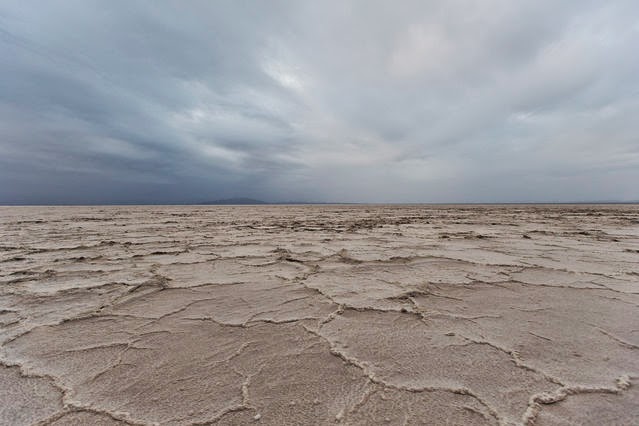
x=357 y=101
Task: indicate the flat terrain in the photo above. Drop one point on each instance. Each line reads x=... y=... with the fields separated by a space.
x=286 y=315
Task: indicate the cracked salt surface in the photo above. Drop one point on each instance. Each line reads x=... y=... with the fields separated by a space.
x=496 y=315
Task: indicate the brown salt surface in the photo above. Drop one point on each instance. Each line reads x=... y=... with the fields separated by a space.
x=287 y=315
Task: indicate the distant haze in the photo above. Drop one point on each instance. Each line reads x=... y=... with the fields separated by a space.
x=341 y=101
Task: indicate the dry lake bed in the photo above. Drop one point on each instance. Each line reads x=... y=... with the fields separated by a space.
x=295 y=315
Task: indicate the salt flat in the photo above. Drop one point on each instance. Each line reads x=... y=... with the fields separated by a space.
x=286 y=315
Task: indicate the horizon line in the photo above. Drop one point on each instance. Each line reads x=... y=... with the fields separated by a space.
x=311 y=203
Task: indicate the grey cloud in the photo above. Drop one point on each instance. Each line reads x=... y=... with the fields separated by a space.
x=333 y=101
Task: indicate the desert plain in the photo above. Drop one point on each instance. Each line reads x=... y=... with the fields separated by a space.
x=319 y=315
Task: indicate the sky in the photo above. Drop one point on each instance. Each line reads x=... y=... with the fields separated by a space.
x=332 y=101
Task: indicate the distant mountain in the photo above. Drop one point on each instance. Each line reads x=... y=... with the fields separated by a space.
x=234 y=201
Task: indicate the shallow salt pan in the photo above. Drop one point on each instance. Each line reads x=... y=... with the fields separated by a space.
x=496 y=315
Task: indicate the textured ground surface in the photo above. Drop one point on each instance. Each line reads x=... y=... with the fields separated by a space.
x=319 y=315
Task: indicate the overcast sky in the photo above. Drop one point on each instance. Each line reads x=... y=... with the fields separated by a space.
x=356 y=101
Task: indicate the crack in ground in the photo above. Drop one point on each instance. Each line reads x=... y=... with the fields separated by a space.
x=535 y=403
x=373 y=378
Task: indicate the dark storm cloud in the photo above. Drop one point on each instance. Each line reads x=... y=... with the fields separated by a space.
x=342 y=101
